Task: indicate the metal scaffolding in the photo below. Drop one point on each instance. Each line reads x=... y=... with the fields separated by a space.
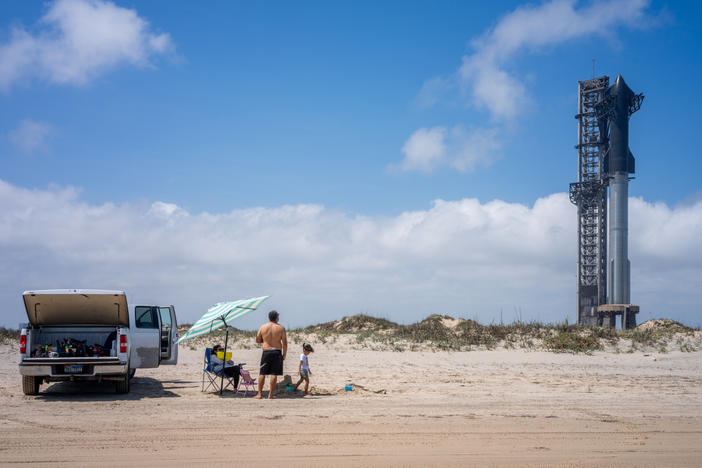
x=589 y=194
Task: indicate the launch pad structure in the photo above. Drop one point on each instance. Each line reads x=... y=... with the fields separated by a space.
x=604 y=162
x=589 y=194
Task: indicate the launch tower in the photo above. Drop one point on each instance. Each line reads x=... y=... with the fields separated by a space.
x=604 y=160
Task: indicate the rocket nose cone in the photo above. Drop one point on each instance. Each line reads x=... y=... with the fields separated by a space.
x=619 y=82
x=621 y=86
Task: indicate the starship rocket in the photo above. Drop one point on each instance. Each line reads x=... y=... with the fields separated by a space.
x=619 y=163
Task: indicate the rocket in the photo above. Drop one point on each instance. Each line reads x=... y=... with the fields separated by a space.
x=619 y=104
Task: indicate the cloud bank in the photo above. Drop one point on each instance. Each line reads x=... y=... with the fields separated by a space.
x=77 y=40
x=463 y=258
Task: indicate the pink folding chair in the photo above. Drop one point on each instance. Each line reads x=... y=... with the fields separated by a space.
x=248 y=383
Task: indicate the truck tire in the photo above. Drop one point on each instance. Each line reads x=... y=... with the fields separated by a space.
x=131 y=373
x=123 y=385
x=30 y=384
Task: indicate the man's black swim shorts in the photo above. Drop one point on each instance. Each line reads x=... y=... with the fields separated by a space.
x=271 y=362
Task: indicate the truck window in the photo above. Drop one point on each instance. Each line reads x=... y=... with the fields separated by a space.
x=146 y=317
x=165 y=317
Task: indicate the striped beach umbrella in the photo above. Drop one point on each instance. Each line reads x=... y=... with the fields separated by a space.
x=220 y=314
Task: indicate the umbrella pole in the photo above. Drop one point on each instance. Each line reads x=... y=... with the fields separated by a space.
x=224 y=361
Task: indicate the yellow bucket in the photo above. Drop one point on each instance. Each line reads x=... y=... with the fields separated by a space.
x=220 y=354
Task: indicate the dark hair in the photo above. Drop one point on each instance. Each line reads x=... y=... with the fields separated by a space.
x=308 y=347
x=216 y=348
x=273 y=315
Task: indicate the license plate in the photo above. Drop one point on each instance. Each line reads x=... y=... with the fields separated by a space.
x=74 y=369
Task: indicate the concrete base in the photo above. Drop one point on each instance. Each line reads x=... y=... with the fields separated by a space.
x=607 y=315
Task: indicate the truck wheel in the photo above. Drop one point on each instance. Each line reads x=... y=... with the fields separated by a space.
x=123 y=385
x=30 y=384
x=131 y=373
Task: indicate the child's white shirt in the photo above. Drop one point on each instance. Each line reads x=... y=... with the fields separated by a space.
x=305 y=363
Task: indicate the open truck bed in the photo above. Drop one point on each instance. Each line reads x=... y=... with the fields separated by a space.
x=73 y=353
x=74 y=335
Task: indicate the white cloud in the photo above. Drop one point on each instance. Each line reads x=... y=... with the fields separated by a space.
x=77 y=40
x=484 y=73
x=424 y=149
x=478 y=147
x=31 y=136
x=458 y=257
x=428 y=148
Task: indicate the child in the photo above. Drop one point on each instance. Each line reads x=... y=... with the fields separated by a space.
x=303 y=369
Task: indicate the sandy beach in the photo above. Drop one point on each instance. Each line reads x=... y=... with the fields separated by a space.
x=502 y=407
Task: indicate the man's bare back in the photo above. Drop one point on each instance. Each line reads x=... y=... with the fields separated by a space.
x=275 y=346
x=272 y=335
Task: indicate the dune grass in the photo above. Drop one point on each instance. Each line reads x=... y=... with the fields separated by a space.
x=572 y=341
x=441 y=332
x=444 y=333
x=9 y=336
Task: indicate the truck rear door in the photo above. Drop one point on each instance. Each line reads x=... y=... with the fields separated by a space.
x=169 y=335
x=145 y=338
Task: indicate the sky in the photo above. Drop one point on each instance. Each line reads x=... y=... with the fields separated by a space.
x=390 y=158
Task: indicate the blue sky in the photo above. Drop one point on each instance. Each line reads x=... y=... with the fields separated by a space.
x=368 y=112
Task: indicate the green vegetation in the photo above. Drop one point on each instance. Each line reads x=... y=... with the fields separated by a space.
x=573 y=340
x=430 y=330
x=444 y=333
x=352 y=324
x=647 y=337
x=441 y=332
x=9 y=336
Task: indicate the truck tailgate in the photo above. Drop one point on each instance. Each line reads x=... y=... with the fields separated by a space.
x=71 y=360
x=73 y=367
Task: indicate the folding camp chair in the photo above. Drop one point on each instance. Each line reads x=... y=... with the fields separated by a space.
x=212 y=378
x=247 y=382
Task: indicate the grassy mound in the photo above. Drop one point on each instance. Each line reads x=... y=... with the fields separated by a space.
x=442 y=332
x=357 y=323
x=431 y=329
x=572 y=340
x=664 y=326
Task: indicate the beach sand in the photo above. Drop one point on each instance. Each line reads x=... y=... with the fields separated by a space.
x=471 y=408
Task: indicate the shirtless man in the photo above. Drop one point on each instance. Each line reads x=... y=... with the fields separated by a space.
x=275 y=346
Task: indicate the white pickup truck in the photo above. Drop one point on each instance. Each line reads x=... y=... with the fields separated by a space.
x=88 y=334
